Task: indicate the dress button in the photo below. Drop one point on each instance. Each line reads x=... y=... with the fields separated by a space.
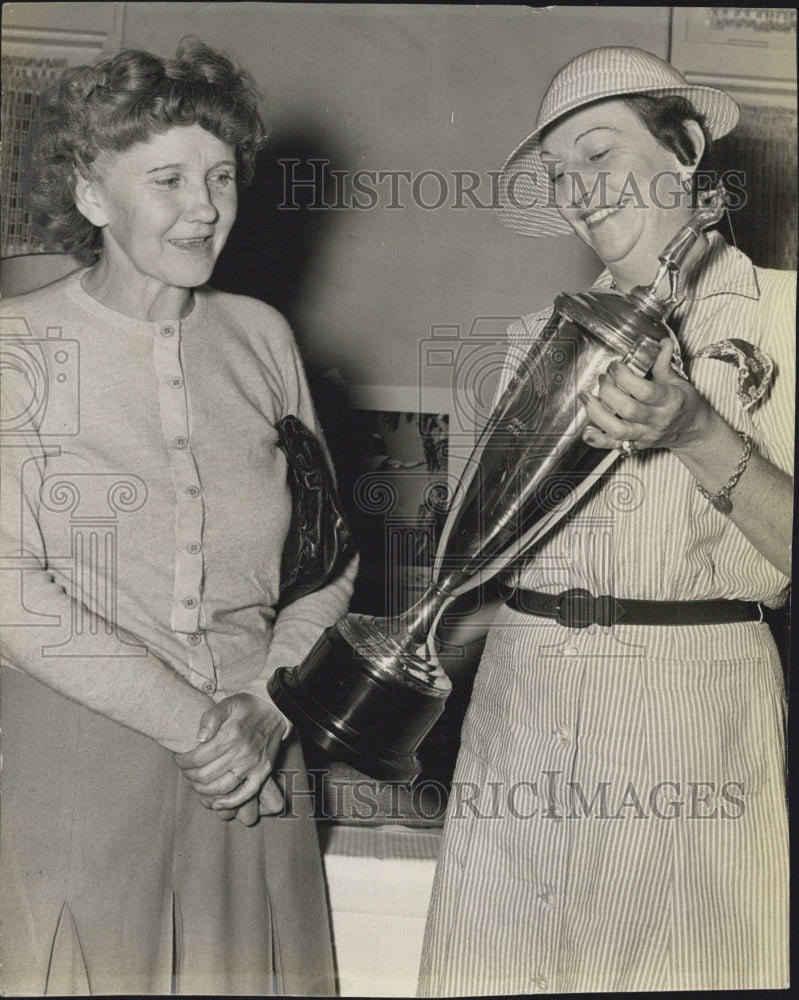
x=563 y=734
x=209 y=687
x=180 y=442
x=193 y=492
x=167 y=331
x=547 y=897
x=194 y=548
x=190 y=602
x=538 y=984
x=194 y=638
x=176 y=383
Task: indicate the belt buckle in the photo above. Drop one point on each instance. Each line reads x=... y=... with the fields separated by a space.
x=575 y=608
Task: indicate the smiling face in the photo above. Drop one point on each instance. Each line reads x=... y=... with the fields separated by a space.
x=615 y=185
x=165 y=206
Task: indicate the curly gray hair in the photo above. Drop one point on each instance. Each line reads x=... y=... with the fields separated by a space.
x=119 y=101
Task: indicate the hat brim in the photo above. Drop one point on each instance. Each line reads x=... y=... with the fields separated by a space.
x=524 y=201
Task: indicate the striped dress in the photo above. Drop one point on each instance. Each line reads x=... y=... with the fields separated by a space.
x=618 y=820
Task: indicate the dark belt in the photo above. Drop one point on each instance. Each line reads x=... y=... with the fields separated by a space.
x=579 y=609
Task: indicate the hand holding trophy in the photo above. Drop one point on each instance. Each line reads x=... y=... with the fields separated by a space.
x=364 y=694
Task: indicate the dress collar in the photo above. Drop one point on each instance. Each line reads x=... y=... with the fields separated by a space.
x=723 y=270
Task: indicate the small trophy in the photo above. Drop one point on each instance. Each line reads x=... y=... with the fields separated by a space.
x=366 y=693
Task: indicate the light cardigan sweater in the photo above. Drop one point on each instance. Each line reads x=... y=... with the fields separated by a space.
x=145 y=505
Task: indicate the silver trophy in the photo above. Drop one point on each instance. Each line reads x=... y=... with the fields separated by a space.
x=367 y=693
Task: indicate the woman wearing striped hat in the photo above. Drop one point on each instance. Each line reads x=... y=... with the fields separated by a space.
x=618 y=817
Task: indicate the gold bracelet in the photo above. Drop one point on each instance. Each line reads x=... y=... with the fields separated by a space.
x=721 y=501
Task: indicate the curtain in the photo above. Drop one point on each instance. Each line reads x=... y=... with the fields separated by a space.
x=23 y=79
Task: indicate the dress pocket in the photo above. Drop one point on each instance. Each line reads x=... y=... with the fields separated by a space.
x=661 y=673
x=716 y=722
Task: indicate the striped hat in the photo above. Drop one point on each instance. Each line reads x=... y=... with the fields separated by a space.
x=524 y=202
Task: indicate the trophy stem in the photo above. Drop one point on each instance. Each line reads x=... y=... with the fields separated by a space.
x=411 y=629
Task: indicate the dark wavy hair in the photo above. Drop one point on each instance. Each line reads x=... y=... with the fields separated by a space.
x=665 y=115
x=119 y=101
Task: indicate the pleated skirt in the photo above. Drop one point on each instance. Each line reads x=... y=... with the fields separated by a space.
x=117 y=881
x=618 y=818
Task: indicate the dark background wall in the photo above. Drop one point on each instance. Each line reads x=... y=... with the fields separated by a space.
x=395 y=88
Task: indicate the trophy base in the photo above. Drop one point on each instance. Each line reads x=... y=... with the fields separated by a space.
x=361 y=702
x=342 y=743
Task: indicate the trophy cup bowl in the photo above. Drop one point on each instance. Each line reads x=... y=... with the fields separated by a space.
x=366 y=694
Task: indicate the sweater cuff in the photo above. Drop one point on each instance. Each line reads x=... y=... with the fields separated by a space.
x=258 y=690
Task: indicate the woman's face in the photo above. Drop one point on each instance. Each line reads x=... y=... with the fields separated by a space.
x=167 y=206
x=613 y=182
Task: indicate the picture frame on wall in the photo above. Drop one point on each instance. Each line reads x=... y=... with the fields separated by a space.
x=760 y=155
x=399 y=491
x=395 y=483
x=760 y=42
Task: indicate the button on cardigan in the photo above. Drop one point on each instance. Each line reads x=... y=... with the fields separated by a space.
x=146 y=505
x=144 y=508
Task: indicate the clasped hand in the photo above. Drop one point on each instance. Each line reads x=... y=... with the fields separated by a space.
x=239 y=740
x=665 y=411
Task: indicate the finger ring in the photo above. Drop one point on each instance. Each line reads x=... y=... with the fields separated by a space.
x=628 y=449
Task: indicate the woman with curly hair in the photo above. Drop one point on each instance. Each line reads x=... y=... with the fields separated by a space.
x=144 y=849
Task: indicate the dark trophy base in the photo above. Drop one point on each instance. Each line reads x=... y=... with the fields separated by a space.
x=363 y=700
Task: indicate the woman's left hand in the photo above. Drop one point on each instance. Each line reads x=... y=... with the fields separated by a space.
x=239 y=738
x=632 y=413
x=665 y=411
